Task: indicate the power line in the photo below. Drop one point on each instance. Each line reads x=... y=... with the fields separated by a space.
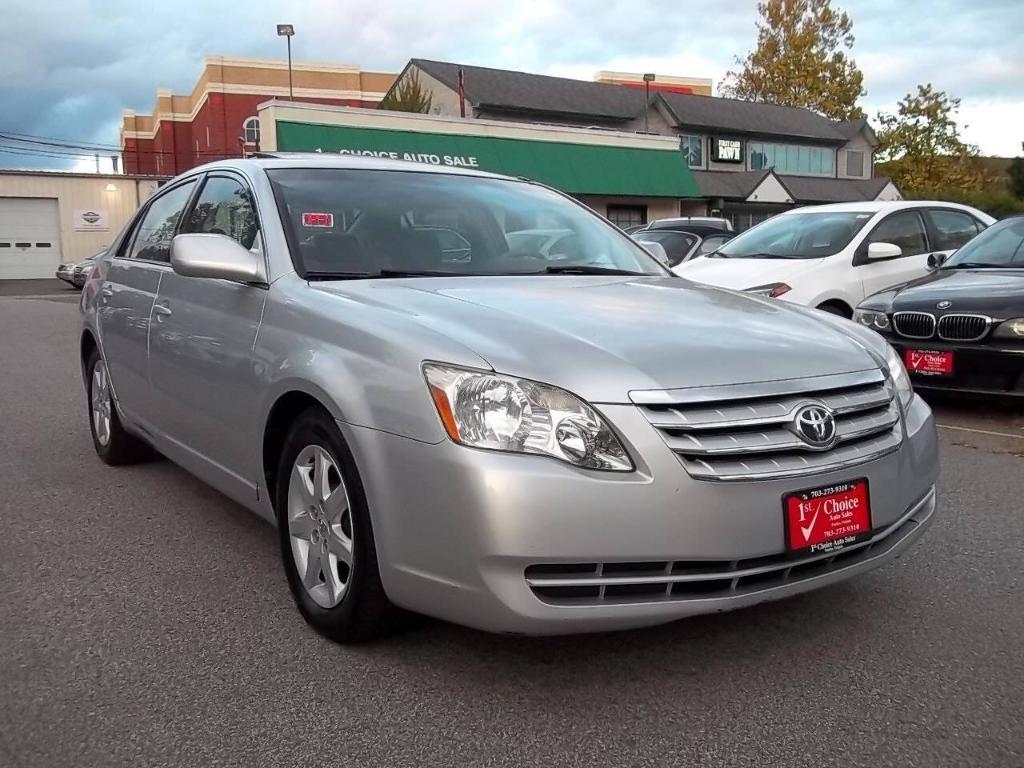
x=36 y=139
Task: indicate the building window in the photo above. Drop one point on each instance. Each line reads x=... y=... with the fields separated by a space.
x=854 y=163
x=251 y=130
x=624 y=216
x=792 y=159
x=693 y=148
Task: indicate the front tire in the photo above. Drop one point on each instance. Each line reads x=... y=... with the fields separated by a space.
x=325 y=534
x=113 y=444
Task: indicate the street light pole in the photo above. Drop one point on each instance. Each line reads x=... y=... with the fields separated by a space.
x=648 y=79
x=287 y=31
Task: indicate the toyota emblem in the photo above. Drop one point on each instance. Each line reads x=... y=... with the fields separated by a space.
x=944 y=304
x=815 y=425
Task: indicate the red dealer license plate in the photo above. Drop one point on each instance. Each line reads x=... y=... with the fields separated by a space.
x=928 y=362
x=829 y=518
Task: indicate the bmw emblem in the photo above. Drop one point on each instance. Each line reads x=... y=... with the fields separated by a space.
x=944 y=304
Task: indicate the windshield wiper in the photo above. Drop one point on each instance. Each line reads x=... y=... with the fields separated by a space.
x=761 y=256
x=584 y=269
x=337 y=275
x=975 y=265
x=418 y=273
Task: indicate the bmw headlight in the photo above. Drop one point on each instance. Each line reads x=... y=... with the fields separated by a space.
x=871 y=318
x=504 y=413
x=1011 y=329
x=899 y=377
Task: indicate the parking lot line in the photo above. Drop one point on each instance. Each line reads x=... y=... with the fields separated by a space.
x=981 y=431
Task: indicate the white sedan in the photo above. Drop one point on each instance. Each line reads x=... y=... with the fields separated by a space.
x=833 y=256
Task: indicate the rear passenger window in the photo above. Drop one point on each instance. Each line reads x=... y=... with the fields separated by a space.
x=224 y=207
x=952 y=228
x=155 y=232
x=903 y=229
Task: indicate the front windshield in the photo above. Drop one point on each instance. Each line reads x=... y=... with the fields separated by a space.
x=1001 y=245
x=811 y=235
x=676 y=244
x=360 y=223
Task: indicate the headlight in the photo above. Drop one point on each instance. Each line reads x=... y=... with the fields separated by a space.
x=770 y=291
x=871 y=318
x=1011 y=329
x=503 y=413
x=899 y=376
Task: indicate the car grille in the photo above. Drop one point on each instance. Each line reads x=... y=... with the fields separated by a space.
x=963 y=327
x=914 y=325
x=738 y=433
x=660 y=581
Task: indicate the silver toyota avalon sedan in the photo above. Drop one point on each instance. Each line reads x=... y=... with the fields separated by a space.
x=528 y=442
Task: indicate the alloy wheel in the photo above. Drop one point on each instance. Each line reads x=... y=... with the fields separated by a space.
x=101 y=403
x=320 y=526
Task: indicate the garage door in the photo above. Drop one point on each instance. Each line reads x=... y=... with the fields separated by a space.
x=29 y=237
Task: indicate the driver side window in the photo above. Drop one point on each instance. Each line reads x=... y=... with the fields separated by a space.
x=905 y=229
x=224 y=207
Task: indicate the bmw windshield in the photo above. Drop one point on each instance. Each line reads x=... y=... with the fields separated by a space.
x=811 y=235
x=344 y=223
x=999 y=246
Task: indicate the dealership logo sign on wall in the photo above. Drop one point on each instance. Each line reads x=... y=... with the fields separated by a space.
x=91 y=220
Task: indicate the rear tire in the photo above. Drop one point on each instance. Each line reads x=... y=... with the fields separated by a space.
x=113 y=444
x=325 y=534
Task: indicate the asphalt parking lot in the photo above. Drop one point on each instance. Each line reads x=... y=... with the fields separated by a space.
x=145 y=621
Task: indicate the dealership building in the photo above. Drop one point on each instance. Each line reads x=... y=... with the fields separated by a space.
x=611 y=171
x=748 y=160
x=48 y=217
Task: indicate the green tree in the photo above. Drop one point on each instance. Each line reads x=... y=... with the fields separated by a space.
x=1016 y=174
x=801 y=60
x=408 y=95
x=921 y=145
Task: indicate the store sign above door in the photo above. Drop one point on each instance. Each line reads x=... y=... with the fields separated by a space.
x=454 y=161
x=592 y=169
x=727 y=150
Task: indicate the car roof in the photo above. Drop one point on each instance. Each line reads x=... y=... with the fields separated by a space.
x=310 y=160
x=877 y=206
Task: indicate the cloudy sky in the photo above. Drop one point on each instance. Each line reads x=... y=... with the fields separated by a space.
x=70 y=67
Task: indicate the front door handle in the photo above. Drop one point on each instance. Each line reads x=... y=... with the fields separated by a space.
x=106 y=292
x=161 y=311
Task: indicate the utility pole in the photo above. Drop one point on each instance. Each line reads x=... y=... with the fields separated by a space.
x=648 y=79
x=97 y=162
x=287 y=31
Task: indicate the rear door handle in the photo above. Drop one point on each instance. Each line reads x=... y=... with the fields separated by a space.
x=161 y=311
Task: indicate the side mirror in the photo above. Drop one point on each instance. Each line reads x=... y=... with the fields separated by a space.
x=936 y=260
x=216 y=256
x=657 y=250
x=884 y=251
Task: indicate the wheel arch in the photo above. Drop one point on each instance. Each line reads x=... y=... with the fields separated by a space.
x=840 y=304
x=86 y=346
x=287 y=407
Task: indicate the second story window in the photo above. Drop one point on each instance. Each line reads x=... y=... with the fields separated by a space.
x=693 y=148
x=854 y=163
x=792 y=159
x=251 y=130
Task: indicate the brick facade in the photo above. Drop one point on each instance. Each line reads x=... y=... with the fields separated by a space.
x=186 y=131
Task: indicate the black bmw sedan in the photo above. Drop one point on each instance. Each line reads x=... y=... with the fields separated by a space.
x=961 y=327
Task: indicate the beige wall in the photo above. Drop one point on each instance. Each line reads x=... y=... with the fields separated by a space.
x=858 y=143
x=80 y=192
x=443 y=100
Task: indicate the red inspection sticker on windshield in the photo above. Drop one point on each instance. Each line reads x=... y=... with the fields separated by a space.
x=318 y=219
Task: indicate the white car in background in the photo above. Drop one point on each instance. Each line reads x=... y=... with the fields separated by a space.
x=832 y=256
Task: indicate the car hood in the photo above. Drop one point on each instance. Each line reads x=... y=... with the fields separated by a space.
x=994 y=292
x=602 y=337
x=740 y=274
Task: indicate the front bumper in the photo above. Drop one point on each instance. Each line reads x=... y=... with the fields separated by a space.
x=457 y=537
x=981 y=368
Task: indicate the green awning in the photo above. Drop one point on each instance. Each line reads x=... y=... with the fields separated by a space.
x=579 y=169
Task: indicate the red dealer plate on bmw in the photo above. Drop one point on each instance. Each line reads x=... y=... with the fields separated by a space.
x=928 y=362
x=827 y=519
